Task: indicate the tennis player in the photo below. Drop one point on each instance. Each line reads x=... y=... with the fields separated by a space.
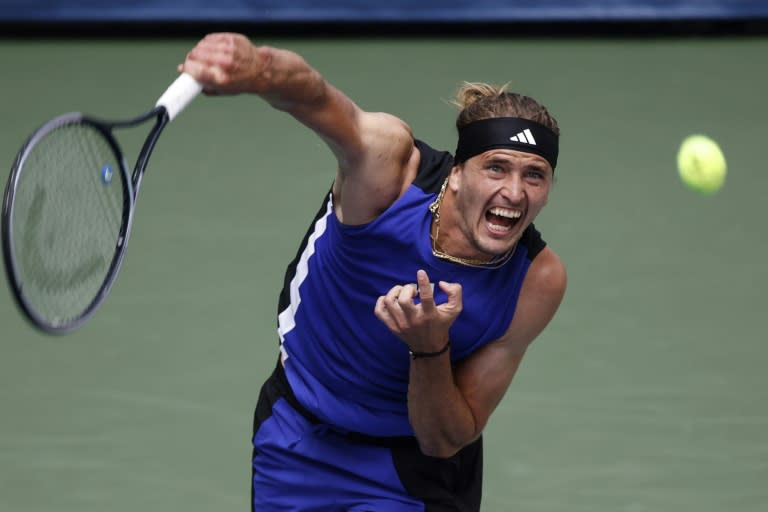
x=413 y=297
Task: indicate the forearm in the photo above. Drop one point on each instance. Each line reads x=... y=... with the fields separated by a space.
x=291 y=85
x=226 y=63
x=286 y=81
x=440 y=416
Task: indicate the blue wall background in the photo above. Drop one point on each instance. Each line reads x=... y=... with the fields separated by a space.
x=369 y=10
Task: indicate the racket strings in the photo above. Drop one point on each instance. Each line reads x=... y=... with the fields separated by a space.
x=104 y=174
x=111 y=205
x=69 y=209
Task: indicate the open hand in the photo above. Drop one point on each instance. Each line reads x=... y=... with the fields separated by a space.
x=424 y=326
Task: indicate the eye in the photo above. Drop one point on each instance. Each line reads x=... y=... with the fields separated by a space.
x=535 y=174
x=495 y=168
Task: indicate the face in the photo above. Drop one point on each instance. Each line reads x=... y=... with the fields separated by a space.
x=497 y=194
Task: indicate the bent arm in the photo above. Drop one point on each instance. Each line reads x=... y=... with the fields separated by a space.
x=375 y=151
x=450 y=406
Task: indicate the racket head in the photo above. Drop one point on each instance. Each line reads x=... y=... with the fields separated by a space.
x=66 y=219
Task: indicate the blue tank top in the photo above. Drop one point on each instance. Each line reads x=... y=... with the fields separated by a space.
x=343 y=364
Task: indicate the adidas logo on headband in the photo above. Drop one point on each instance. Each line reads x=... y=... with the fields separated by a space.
x=524 y=136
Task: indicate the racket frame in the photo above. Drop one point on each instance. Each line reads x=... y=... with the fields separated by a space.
x=170 y=104
x=131 y=181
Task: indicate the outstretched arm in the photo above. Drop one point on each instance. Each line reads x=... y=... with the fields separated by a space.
x=375 y=151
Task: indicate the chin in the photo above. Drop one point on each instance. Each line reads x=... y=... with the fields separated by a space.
x=497 y=248
x=498 y=245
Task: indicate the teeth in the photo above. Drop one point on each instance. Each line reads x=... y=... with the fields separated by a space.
x=496 y=227
x=510 y=214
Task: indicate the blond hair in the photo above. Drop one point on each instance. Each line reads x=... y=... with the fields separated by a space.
x=477 y=101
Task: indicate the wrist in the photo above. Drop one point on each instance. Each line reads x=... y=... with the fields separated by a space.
x=424 y=355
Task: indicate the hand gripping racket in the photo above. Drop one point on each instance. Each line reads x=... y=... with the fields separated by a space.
x=68 y=210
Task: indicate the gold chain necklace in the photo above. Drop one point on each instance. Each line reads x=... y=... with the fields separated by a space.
x=437 y=251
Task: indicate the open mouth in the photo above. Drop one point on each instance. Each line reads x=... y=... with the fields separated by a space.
x=502 y=220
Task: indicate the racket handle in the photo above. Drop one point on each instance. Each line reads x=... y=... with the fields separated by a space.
x=180 y=93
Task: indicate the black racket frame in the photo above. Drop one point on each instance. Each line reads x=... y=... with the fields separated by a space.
x=131 y=181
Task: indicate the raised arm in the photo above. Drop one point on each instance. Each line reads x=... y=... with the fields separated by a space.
x=375 y=151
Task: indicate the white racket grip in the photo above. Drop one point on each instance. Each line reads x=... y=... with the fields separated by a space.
x=180 y=93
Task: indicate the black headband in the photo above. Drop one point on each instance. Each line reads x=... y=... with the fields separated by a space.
x=506 y=132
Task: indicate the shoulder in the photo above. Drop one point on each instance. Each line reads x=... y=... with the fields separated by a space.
x=380 y=131
x=376 y=164
x=541 y=295
x=547 y=275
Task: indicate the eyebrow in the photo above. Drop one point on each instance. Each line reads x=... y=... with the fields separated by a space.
x=534 y=165
x=498 y=160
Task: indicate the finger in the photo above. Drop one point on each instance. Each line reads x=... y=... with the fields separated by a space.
x=211 y=53
x=217 y=41
x=382 y=313
x=426 y=294
x=393 y=307
x=211 y=77
x=453 y=291
x=406 y=295
x=219 y=56
x=393 y=293
x=197 y=69
x=405 y=300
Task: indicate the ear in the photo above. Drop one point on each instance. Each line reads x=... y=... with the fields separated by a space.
x=454 y=179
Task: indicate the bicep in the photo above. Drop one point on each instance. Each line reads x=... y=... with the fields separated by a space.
x=388 y=162
x=374 y=151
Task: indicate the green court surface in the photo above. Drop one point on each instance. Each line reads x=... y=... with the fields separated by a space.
x=647 y=393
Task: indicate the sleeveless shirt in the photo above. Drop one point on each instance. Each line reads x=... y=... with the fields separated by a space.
x=343 y=364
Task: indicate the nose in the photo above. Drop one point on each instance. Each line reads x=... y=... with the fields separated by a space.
x=513 y=189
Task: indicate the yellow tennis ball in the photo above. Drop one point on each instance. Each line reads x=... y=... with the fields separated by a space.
x=701 y=164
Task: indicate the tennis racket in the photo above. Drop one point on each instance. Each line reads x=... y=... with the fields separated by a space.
x=68 y=209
